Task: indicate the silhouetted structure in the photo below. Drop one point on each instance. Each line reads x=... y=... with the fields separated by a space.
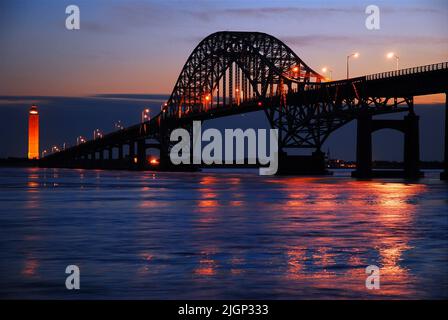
x=230 y=73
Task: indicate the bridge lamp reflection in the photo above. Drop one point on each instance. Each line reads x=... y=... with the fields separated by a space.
x=392 y=55
x=354 y=55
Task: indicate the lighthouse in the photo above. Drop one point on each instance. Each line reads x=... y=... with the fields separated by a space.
x=33 y=133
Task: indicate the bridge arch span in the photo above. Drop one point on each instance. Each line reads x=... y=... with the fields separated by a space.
x=228 y=68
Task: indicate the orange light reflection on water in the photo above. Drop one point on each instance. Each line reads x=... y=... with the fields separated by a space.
x=373 y=217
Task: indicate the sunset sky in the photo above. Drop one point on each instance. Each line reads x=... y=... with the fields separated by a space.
x=139 y=47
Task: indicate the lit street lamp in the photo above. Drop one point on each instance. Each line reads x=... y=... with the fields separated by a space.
x=391 y=55
x=80 y=140
x=207 y=102
x=295 y=70
x=44 y=153
x=354 y=55
x=146 y=115
x=118 y=125
x=325 y=70
x=97 y=134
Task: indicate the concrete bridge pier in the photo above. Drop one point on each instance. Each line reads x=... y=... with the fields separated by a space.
x=110 y=153
x=120 y=151
x=363 y=147
x=409 y=126
x=131 y=153
x=411 y=146
x=302 y=165
x=444 y=174
x=141 y=154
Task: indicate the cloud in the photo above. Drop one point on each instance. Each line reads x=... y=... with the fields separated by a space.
x=20 y=100
x=316 y=39
x=136 y=14
x=131 y=97
x=301 y=12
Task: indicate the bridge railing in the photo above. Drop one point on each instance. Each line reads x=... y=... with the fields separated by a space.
x=408 y=71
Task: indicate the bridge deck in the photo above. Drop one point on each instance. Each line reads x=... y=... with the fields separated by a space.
x=423 y=80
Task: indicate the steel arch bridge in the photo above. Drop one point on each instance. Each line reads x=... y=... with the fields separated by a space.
x=231 y=73
x=236 y=69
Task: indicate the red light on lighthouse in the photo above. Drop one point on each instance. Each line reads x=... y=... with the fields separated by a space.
x=33 y=133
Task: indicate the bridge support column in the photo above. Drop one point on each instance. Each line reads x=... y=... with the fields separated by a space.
x=411 y=146
x=131 y=152
x=363 y=147
x=110 y=153
x=120 y=151
x=302 y=165
x=141 y=153
x=444 y=174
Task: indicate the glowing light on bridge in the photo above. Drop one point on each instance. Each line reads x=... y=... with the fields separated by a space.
x=153 y=161
x=392 y=55
x=80 y=140
x=97 y=134
x=325 y=70
x=146 y=115
x=238 y=94
x=207 y=102
x=118 y=125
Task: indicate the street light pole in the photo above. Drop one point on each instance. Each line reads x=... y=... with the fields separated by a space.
x=348 y=57
x=355 y=55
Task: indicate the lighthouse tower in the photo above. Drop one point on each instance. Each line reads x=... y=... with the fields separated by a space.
x=33 y=133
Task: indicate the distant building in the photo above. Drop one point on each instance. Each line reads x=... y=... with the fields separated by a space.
x=33 y=133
